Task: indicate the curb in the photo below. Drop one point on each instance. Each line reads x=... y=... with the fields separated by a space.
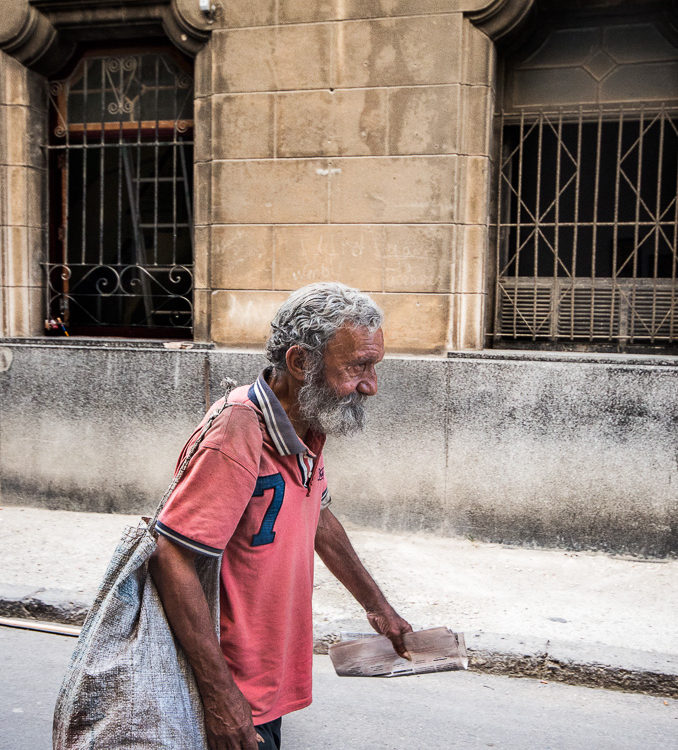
x=52 y=605
x=588 y=674
x=588 y=664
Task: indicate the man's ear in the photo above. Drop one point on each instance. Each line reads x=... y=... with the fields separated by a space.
x=296 y=362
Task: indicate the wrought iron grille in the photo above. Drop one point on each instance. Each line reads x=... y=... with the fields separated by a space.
x=121 y=253
x=587 y=226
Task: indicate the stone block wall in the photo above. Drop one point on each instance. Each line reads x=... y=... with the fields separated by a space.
x=333 y=140
x=345 y=141
x=23 y=221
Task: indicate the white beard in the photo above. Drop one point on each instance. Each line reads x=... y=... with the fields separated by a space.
x=326 y=412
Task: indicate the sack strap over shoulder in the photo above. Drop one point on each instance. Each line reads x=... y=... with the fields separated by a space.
x=192 y=451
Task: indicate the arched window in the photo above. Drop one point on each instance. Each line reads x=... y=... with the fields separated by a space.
x=121 y=164
x=587 y=183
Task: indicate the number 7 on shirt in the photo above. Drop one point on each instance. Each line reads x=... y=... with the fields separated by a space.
x=274 y=482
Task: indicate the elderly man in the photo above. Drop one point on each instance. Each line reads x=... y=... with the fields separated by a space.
x=256 y=491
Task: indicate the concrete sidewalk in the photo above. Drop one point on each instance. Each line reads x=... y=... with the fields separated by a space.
x=585 y=618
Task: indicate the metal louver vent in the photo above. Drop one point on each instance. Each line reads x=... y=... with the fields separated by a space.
x=527 y=310
x=589 y=312
x=644 y=310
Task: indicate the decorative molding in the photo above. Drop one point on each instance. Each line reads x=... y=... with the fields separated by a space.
x=501 y=18
x=29 y=36
x=43 y=34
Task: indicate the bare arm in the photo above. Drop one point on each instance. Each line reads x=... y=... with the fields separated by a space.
x=228 y=718
x=336 y=551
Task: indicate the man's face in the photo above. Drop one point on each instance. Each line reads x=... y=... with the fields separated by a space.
x=333 y=397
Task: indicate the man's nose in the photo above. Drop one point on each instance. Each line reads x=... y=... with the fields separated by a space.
x=368 y=383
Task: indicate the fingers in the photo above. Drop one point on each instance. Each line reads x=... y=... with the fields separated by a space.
x=393 y=626
x=244 y=738
x=399 y=646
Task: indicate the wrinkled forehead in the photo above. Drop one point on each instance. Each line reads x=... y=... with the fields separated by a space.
x=355 y=343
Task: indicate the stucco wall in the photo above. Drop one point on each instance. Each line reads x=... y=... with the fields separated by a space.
x=560 y=449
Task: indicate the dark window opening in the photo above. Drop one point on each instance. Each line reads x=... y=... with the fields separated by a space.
x=121 y=248
x=586 y=218
x=600 y=194
x=586 y=240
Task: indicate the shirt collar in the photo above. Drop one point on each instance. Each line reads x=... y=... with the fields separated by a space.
x=285 y=439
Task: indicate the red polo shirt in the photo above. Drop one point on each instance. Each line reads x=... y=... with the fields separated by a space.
x=254 y=491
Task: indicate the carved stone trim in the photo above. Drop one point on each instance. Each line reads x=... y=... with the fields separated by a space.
x=501 y=18
x=43 y=34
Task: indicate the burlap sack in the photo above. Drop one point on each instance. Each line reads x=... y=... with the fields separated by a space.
x=129 y=685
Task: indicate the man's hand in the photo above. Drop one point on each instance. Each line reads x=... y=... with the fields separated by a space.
x=389 y=623
x=228 y=721
x=336 y=551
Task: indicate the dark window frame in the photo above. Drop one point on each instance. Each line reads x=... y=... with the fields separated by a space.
x=141 y=292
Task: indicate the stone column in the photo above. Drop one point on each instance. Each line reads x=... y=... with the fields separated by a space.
x=334 y=152
x=23 y=220
x=347 y=141
x=478 y=86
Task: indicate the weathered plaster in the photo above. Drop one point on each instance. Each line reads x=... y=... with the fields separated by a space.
x=554 y=451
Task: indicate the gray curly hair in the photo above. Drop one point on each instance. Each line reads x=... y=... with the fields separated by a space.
x=310 y=317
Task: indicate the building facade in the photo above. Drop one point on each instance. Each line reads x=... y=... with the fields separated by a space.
x=501 y=175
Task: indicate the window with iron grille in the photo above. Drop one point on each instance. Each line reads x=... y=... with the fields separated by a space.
x=121 y=164
x=587 y=181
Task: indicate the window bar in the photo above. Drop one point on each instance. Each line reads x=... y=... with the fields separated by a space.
x=101 y=163
x=65 y=159
x=98 y=298
x=615 y=227
x=64 y=307
x=674 y=262
x=555 y=295
x=174 y=199
x=537 y=228
x=83 y=229
x=187 y=195
x=140 y=256
x=137 y=184
x=156 y=151
x=135 y=211
x=657 y=214
x=639 y=174
x=594 y=233
x=119 y=148
x=140 y=252
x=519 y=205
x=498 y=238
x=575 y=231
x=174 y=178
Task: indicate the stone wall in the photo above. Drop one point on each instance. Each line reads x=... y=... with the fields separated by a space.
x=350 y=142
x=23 y=220
x=333 y=141
x=545 y=449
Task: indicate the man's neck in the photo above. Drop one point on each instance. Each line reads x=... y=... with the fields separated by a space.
x=286 y=390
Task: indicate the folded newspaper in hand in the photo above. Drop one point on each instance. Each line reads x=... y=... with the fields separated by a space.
x=372 y=655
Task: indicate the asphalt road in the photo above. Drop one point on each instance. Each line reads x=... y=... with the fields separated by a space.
x=452 y=710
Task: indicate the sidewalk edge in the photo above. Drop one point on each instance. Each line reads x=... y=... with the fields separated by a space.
x=48 y=606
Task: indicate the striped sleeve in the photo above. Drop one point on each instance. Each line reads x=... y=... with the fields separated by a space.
x=184 y=541
x=325 y=499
